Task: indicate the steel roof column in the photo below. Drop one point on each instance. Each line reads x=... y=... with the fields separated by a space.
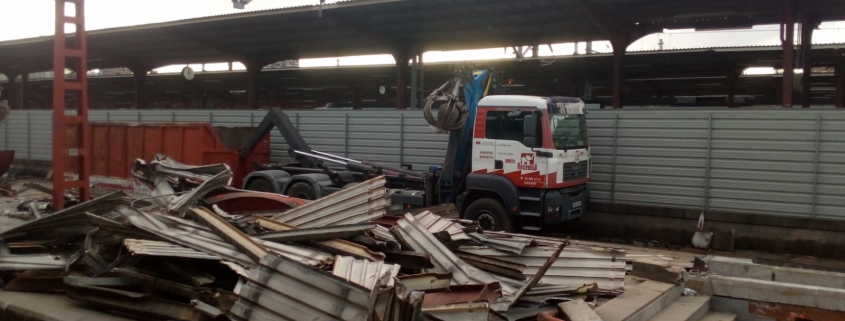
x=140 y=76
x=11 y=94
x=787 y=34
x=807 y=26
x=401 y=57
x=620 y=42
x=733 y=71
x=253 y=69
x=356 y=97
x=24 y=83
x=839 y=77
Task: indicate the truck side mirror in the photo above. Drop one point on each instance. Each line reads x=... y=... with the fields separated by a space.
x=529 y=128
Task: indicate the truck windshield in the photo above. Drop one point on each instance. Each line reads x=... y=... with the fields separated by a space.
x=569 y=131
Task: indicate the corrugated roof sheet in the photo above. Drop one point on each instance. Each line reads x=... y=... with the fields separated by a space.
x=364 y=272
x=574 y=266
x=167 y=249
x=509 y=244
x=421 y=240
x=435 y=223
x=361 y=203
x=282 y=289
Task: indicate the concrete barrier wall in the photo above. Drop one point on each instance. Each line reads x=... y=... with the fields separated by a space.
x=776 y=162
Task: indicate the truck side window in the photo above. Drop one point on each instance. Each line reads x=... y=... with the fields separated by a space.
x=500 y=126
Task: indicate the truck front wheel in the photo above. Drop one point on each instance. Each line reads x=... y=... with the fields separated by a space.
x=302 y=190
x=260 y=185
x=490 y=214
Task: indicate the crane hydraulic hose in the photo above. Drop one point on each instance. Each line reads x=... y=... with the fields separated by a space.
x=451 y=110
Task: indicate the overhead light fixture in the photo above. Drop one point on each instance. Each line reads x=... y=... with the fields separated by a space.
x=240 y=4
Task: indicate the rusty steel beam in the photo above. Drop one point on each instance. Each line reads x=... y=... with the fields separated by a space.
x=231 y=234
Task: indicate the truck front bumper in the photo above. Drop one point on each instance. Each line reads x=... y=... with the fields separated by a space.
x=565 y=204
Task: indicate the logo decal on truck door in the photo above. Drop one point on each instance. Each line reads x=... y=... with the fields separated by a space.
x=526 y=162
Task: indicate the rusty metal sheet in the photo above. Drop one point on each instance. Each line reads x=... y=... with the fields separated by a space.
x=236 y=201
x=410 y=231
x=282 y=289
x=786 y=312
x=361 y=203
x=422 y=282
x=462 y=294
x=363 y=272
x=436 y=224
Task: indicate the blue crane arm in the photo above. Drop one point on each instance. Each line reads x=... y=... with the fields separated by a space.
x=473 y=92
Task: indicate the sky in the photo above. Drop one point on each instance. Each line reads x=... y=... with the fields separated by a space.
x=34 y=18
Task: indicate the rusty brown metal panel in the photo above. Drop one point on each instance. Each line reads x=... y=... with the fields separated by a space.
x=786 y=312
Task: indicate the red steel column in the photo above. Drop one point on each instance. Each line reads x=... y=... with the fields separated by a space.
x=67 y=151
x=787 y=29
x=807 y=26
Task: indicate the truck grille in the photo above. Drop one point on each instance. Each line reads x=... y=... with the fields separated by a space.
x=575 y=171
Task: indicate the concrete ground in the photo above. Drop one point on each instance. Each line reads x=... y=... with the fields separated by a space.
x=48 y=307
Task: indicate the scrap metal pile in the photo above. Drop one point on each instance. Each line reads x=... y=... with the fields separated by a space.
x=198 y=249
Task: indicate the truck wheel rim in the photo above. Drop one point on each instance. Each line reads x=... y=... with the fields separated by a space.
x=486 y=220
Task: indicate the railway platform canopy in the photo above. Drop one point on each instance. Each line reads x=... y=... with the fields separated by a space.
x=406 y=28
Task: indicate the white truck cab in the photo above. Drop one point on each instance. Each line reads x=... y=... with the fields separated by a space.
x=534 y=148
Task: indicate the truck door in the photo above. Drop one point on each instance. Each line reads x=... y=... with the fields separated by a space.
x=518 y=163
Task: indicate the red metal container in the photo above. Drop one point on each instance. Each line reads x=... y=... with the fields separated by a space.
x=115 y=146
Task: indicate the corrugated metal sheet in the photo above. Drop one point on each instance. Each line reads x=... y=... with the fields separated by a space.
x=161 y=248
x=435 y=223
x=575 y=265
x=421 y=240
x=198 y=237
x=761 y=160
x=361 y=203
x=282 y=289
x=508 y=244
x=364 y=272
x=383 y=233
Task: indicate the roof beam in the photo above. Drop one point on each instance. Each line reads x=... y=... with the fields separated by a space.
x=378 y=38
x=229 y=53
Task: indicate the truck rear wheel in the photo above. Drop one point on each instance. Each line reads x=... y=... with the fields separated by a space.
x=302 y=190
x=260 y=185
x=490 y=214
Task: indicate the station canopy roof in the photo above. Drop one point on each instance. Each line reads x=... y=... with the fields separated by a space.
x=364 y=27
